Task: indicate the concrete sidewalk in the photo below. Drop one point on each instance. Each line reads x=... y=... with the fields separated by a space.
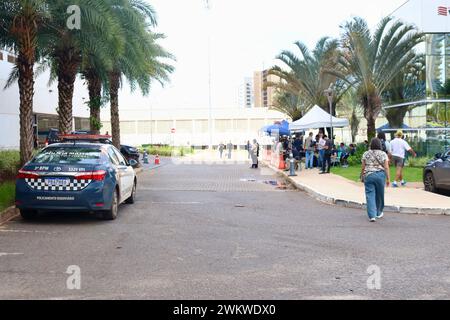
x=335 y=189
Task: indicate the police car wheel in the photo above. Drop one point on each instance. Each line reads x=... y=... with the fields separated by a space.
x=112 y=214
x=132 y=198
x=28 y=214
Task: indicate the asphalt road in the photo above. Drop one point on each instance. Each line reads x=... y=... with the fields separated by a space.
x=225 y=232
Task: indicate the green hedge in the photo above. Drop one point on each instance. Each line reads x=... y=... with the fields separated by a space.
x=9 y=164
x=356 y=159
x=167 y=151
x=7 y=194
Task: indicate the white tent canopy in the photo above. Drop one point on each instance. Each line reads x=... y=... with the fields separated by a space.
x=317 y=118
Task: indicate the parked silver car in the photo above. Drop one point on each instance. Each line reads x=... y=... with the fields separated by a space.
x=436 y=174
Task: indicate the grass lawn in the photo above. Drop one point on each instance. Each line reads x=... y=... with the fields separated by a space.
x=7 y=194
x=352 y=173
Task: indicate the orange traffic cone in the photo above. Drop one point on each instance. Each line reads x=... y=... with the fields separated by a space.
x=157 y=161
x=281 y=163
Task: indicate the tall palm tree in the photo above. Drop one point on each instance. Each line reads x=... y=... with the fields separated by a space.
x=371 y=61
x=351 y=108
x=20 y=23
x=67 y=48
x=139 y=63
x=307 y=77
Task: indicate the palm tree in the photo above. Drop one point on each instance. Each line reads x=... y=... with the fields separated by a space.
x=67 y=49
x=139 y=62
x=351 y=108
x=307 y=77
x=20 y=24
x=288 y=104
x=371 y=62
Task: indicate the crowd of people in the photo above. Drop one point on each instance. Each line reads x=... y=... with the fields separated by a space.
x=321 y=152
x=318 y=151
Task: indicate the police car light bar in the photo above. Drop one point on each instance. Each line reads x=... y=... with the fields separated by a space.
x=84 y=137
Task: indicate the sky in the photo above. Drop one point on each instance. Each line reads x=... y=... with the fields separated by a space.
x=245 y=36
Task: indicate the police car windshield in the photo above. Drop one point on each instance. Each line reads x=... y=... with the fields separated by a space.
x=69 y=155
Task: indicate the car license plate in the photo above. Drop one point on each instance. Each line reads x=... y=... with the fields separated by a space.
x=57 y=182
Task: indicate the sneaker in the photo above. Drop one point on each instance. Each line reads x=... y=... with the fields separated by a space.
x=380 y=216
x=403 y=183
x=394 y=184
x=373 y=220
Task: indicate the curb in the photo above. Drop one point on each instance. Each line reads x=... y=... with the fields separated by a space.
x=357 y=205
x=8 y=214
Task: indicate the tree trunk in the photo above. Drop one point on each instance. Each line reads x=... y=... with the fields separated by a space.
x=26 y=90
x=95 y=97
x=372 y=108
x=114 y=101
x=68 y=64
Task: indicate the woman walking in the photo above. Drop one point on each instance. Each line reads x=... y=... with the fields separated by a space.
x=375 y=175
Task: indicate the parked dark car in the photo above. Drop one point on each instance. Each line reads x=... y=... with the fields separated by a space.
x=130 y=152
x=436 y=175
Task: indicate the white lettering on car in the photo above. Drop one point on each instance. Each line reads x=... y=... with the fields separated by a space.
x=55 y=198
x=40 y=168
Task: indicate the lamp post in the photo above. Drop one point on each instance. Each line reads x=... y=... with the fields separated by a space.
x=330 y=95
x=210 y=125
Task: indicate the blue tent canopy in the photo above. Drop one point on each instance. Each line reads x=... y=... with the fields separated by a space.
x=387 y=127
x=282 y=129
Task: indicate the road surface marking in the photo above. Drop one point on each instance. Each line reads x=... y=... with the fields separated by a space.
x=2 y=254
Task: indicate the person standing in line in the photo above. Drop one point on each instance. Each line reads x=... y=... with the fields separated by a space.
x=221 y=149
x=310 y=144
x=254 y=152
x=248 y=147
x=321 y=148
x=399 y=148
x=327 y=150
x=386 y=146
x=375 y=175
x=230 y=147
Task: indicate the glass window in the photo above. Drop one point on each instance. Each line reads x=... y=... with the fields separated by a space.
x=69 y=155
x=122 y=160
x=113 y=157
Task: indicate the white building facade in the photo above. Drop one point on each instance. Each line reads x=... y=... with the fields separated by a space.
x=44 y=109
x=190 y=126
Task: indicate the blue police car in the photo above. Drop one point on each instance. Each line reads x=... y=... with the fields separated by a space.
x=76 y=176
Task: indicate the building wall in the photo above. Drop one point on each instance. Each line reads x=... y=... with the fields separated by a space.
x=264 y=96
x=246 y=94
x=45 y=102
x=238 y=125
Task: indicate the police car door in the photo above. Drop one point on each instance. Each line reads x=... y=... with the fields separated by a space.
x=126 y=175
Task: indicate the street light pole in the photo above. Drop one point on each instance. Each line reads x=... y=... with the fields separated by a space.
x=210 y=125
x=329 y=93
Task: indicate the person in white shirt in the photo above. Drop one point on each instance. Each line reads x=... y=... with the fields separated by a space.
x=321 y=148
x=399 y=147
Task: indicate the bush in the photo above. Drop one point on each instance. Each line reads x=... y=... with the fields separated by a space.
x=167 y=151
x=7 y=194
x=356 y=159
x=9 y=164
x=419 y=162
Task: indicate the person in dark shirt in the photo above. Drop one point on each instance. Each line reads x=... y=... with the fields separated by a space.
x=326 y=165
